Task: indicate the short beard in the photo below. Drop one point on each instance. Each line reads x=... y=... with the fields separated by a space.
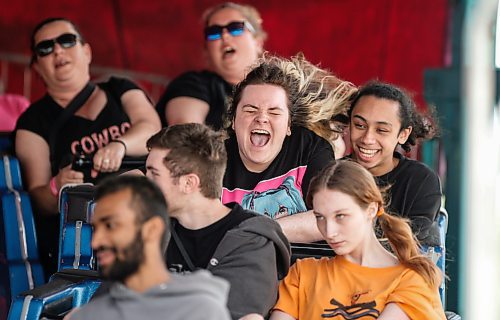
x=133 y=257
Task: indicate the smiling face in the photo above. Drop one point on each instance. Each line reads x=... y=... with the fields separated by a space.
x=117 y=239
x=230 y=56
x=63 y=65
x=375 y=131
x=344 y=224
x=261 y=123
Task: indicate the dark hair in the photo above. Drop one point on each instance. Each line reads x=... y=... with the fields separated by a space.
x=352 y=179
x=423 y=126
x=146 y=200
x=46 y=22
x=315 y=96
x=194 y=148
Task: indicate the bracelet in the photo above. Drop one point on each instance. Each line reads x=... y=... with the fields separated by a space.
x=53 y=187
x=122 y=143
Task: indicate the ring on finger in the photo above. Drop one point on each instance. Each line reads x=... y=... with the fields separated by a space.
x=105 y=161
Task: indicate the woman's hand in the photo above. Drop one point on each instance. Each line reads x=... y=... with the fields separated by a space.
x=108 y=159
x=66 y=175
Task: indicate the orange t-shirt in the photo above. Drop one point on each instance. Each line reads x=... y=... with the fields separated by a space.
x=335 y=288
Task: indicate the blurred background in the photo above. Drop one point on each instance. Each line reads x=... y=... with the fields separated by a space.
x=359 y=40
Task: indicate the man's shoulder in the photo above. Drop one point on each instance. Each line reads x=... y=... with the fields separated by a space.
x=100 y=305
x=250 y=220
x=199 y=283
x=257 y=228
x=180 y=293
x=237 y=209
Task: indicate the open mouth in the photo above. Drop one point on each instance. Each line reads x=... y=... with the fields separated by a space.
x=228 y=52
x=259 y=137
x=60 y=64
x=367 y=153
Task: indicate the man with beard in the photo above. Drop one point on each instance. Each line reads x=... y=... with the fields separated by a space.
x=131 y=232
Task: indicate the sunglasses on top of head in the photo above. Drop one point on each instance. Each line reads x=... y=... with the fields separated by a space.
x=234 y=28
x=46 y=47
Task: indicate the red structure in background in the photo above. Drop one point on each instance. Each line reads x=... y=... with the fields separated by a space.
x=391 y=40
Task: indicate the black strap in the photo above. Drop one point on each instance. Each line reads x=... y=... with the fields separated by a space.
x=179 y=244
x=70 y=110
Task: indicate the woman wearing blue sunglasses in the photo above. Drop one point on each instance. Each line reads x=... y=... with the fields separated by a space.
x=234 y=40
x=106 y=121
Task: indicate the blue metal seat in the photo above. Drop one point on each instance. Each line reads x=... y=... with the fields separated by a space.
x=437 y=253
x=65 y=290
x=77 y=279
x=76 y=205
x=20 y=269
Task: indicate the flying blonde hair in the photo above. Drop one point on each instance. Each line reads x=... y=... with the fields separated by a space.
x=315 y=95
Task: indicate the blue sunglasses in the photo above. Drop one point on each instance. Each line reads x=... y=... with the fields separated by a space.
x=234 y=28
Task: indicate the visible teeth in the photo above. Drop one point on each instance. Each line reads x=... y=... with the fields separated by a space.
x=62 y=63
x=229 y=50
x=260 y=131
x=368 y=151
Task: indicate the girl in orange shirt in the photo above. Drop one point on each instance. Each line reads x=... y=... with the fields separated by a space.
x=364 y=280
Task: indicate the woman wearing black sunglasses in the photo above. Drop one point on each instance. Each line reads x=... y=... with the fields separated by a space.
x=107 y=121
x=234 y=39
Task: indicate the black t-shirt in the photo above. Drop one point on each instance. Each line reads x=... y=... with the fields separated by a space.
x=201 y=244
x=79 y=134
x=204 y=85
x=281 y=188
x=415 y=193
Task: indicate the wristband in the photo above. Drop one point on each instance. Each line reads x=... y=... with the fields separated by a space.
x=53 y=187
x=122 y=143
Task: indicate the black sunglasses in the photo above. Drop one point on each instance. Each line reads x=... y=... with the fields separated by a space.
x=235 y=28
x=46 y=47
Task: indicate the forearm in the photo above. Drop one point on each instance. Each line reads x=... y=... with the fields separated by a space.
x=135 y=138
x=44 y=200
x=300 y=227
x=280 y=315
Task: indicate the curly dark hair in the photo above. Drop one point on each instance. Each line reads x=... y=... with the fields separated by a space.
x=424 y=126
